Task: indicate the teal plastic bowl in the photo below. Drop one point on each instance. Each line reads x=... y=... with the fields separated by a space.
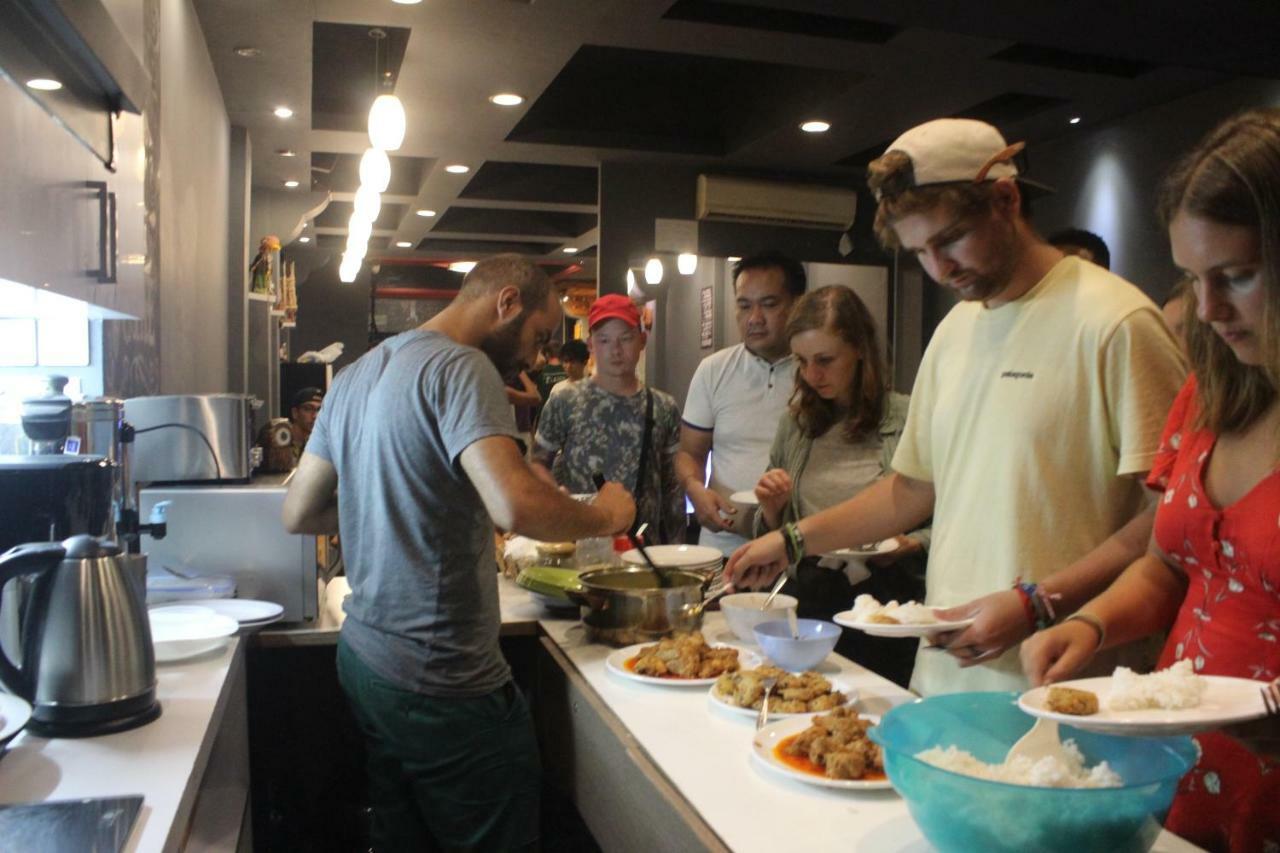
x=962 y=813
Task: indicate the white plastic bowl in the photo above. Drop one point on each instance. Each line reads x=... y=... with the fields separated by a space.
x=742 y=611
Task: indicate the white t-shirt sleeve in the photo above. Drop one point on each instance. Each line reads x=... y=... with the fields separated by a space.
x=1143 y=370
x=914 y=456
x=698 y=410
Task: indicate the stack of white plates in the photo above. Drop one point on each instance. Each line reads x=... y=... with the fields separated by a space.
x=246 y=611
x=705 y=561
x=184 y=631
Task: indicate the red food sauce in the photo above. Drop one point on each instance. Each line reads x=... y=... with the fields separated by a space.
x=804 y=765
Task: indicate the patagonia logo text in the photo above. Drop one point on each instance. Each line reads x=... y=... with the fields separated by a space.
x=1017 y=374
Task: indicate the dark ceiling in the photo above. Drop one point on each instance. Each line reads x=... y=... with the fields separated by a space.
x=713 y=83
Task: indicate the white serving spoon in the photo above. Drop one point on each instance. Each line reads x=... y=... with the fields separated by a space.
x=1041 y=742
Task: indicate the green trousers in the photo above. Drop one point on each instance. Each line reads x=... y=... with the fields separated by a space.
x=445 y=774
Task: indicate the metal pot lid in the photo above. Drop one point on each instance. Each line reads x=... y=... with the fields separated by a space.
x=636 y=579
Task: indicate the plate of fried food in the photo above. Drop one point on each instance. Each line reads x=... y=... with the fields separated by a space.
x=1171 y=701
x=683 y=660
x=794 y=694
x=911 y=619
x=831 y=750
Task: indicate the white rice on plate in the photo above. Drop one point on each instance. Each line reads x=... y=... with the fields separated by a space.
x=1175 y=688
x=1046 y=773
x=911 y=613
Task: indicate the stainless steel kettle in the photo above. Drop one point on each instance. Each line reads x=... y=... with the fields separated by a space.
x=88 y=666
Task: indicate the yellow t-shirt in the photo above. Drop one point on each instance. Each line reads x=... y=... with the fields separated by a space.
x=1033 y=420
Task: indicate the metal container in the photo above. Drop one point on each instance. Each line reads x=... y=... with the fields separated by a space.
x=627 y=605
x=191 y=438
x=97 y=422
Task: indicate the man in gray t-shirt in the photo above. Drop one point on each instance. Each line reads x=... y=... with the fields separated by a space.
x=416 y=445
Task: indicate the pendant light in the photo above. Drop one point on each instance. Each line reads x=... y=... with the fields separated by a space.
x=375 y=169
x=359 y=228
x=386 y=116
x=368 y=203
x=687 y=263
x=653 y=272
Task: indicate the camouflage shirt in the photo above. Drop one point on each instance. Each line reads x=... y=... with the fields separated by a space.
x=587 y=429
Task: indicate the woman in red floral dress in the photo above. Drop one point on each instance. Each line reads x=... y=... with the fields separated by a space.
x=1211 y=576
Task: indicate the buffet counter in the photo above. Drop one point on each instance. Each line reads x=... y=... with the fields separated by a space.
x=190 y=766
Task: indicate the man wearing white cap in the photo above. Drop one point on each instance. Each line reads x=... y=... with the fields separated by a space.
x=1036 y=413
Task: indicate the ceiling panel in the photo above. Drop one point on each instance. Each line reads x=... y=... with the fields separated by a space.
x=538 y=182
x=349 y=68
x=648 y=100
x=340 y=173
x=556 y=227
x=480 y=248
x=338 y=213
x=780 y=20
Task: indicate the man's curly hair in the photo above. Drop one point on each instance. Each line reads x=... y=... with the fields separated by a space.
x=892 y=179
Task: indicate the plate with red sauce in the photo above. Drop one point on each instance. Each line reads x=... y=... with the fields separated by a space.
x=769 y=743
x=622 y=663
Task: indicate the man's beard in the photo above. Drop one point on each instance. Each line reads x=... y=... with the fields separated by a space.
x=502 y=345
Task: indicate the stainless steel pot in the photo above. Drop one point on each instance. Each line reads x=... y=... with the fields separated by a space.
x=626 y=605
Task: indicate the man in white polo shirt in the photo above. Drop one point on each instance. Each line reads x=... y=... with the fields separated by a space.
x=736 y=397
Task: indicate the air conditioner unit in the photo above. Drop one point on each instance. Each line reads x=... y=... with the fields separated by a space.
x=772 y=203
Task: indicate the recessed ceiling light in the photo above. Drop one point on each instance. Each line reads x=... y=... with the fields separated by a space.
x=425 y=212
x=457 y=169
x=290 y=184
x=404 y=244
x=304 y=239
x=283 y=112
x=286 y=152
x=570 y=250
x=507 y=99
x=247 y=52
x=463 y=267
x=44 y=84
x=733 y=260
x=406 y=2
x=815 y=126
x=1073 y=120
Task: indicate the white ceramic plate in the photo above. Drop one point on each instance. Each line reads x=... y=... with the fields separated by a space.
x=14 y=713
x=676 y=556
x=246 y=611
x=182 y=624
x=884 y=546
x=747 y=498
x=186 y=650
x=877 y=629
x=767 y=739
x=851 y=695
x=1226 y=701
x=617 y=664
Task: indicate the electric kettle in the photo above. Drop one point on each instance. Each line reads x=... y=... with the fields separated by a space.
x=88 y=666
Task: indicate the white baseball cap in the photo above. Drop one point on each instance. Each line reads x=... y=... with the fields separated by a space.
x=958 y=150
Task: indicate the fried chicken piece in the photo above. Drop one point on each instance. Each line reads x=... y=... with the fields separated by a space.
x=650 y=665
x=1068 y=700
x=802 y=742
x=803 y=687
x=786 y=706
x=826 y=702
x=851 y=764
x=687 y=665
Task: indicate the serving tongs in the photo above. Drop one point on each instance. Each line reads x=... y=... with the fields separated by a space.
x=637 y=539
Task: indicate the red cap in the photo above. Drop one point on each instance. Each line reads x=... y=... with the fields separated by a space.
x=614 y=306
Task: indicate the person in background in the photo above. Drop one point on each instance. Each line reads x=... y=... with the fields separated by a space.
x=552 y=372
x=1082 y=244
x=414 y=458
x=836 y=438
x=573 y=356
x=524 y=398
x=304 y=408
x=1174 y=310
x=1210 y=574
x=736 y=397
x=1035 y=414
x=612 y=424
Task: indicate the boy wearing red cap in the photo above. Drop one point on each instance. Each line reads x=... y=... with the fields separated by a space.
x=612 y=424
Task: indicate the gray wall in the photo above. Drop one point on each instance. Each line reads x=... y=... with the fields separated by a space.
x=193 y=196
x=1106 y=177
x=329 y=310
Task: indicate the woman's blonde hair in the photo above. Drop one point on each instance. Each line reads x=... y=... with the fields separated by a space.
x=1233 y=177
x=838 y=310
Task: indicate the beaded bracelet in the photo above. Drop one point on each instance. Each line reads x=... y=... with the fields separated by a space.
x=1028 y=605
x=1042 y=613
x=793 y=540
